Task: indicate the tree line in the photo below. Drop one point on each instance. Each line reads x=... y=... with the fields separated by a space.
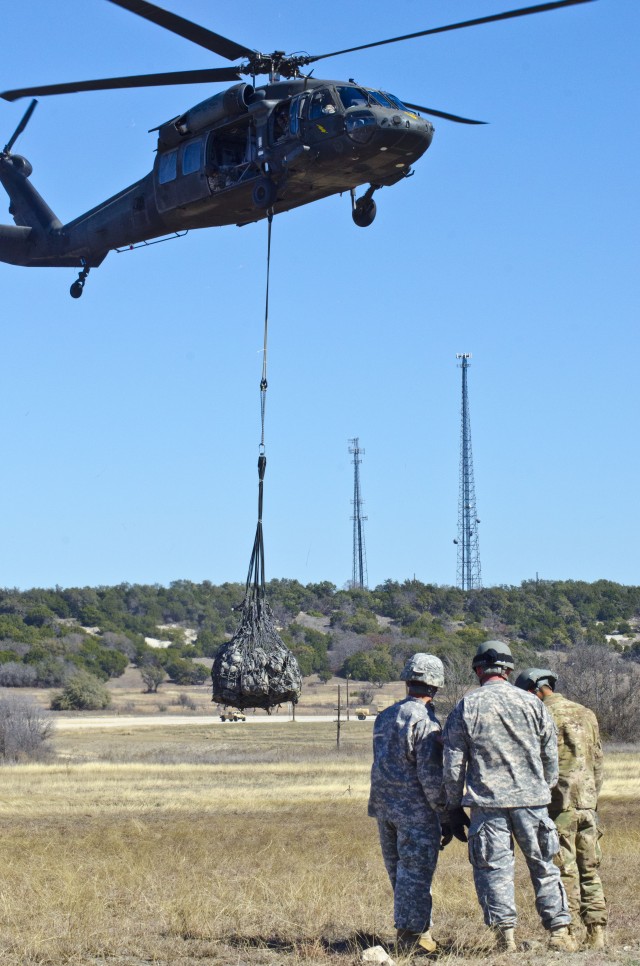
x=48 y=636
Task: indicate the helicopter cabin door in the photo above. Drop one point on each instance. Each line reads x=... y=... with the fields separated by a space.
x=323 y=118
x=180 y=175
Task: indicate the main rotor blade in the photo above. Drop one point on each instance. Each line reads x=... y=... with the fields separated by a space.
x=448 y=117
x=142 y=80
x=20 y=128
x=507 y=15
x=185 y=28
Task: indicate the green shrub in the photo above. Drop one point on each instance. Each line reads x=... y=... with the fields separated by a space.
x=83 y=692
x=152 y=676
x=375 y=665
x=186 y=672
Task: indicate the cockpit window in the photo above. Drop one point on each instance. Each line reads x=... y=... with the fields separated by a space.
x=379 y=98
x=398 y=103
x=353 y=97
x=322 y=103
x=296 y=111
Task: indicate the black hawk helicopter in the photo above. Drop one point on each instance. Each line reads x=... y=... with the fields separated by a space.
x=237 y=156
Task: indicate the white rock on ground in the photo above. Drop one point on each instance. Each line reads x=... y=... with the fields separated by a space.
x=376 y=954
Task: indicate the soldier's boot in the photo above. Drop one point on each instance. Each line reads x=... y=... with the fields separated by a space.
x=595 y=937
x=505 y=939
x=577 y=933
x=416 y=942
x=562 y=939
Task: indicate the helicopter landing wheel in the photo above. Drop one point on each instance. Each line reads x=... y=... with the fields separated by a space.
x=264 y=193
x=77 y=288
x=364 y=212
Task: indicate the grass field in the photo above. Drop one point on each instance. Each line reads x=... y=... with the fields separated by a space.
x=231 y=845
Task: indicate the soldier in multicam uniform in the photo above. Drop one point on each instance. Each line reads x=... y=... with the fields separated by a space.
x=574 y=801
x=503 y=743
x=407 y=799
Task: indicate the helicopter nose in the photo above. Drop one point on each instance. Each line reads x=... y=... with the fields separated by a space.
x=407 y=122
x=408 y=131
x=402 y=136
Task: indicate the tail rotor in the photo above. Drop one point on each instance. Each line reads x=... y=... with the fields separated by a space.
x=26 y=117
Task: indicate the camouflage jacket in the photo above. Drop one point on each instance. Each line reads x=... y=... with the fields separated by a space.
x=406 y=775
x=579 y=755
x=502 y=741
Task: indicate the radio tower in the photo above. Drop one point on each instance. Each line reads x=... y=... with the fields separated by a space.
x=468 y=570
x=359 y=569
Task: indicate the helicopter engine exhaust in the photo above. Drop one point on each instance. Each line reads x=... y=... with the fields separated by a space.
x=230 y=103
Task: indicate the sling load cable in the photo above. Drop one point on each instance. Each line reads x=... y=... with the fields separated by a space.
x=256 y=565
x=255 y=668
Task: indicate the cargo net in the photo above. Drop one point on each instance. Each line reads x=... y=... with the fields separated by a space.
x=255 y=669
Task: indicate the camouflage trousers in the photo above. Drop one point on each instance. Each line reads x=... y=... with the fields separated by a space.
x=491 y=853
x=579 y=861
x=410 y=856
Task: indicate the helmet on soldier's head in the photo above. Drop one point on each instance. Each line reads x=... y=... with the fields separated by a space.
x=536 y=677
x=493 y=654
x=425 y=668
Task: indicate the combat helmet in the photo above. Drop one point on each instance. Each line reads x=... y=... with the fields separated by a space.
x=535 y=677
x=425 y=668
x=492 y=654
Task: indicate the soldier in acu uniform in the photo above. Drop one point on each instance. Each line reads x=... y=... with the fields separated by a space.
x=503 y=744
x=407 y=799
x=574 y=801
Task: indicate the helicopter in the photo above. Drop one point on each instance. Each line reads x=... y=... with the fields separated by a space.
x=243 y=154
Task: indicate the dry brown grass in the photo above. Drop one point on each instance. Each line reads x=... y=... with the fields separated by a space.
x=248 y=846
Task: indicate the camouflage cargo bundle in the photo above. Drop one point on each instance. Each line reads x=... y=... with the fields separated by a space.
x=255 y=669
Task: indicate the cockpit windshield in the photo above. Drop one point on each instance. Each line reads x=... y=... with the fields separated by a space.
x=385 y=99
x=398 y=103
x=379 y=98
x=353 y=97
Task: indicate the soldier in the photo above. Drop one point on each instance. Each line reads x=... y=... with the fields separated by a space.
x=503 y=744
x=574 y=801
x=407 y=799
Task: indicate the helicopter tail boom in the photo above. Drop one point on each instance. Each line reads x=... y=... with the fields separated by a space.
x=21 y=245
x=36 y=238
x=28 y=208
x=14 y=245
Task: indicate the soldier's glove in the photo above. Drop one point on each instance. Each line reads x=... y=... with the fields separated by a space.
x=459 y=820
x=446 y=833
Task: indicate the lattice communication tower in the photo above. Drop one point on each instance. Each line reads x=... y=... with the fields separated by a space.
x=468 y=570
x=359 y=569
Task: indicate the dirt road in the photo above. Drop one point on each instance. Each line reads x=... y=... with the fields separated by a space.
x=72 y=723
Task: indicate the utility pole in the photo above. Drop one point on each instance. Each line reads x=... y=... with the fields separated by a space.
x=338 y=720
x=468 y=568
x=359 y=574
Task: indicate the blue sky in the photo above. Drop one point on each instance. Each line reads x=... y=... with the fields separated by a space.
x=131 y=417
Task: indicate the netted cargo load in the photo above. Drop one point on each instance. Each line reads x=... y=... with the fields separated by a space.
x=255 y=669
